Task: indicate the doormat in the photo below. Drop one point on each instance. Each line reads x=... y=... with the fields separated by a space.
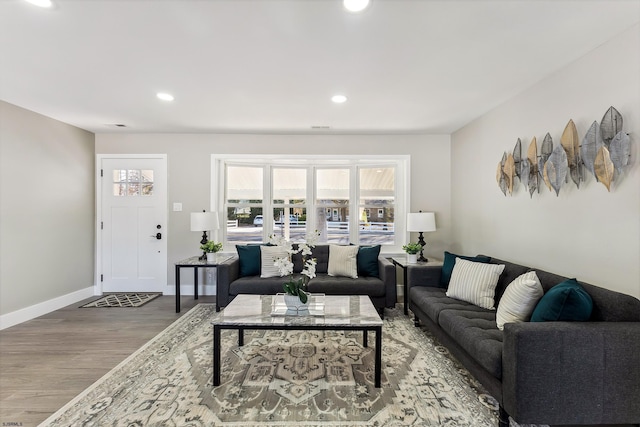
x=122 y=300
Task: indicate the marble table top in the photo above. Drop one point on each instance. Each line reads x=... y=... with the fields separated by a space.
x=339 y=310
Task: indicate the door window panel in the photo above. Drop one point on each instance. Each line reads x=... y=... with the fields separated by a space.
x=132 y=182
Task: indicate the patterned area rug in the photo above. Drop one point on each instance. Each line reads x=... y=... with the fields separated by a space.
x=283 y=378
x=122 y=300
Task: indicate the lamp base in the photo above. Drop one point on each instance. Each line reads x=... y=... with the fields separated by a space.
x=421 y=241
x=204 y=241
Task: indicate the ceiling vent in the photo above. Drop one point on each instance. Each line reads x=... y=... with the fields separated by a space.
x=116 y=125
x=320 y=127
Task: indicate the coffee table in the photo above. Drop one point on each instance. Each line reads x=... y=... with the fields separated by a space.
x=340 y=313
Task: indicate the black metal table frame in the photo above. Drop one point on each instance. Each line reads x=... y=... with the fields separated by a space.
x=195 y=283
x=195 y=267
x=218 y=327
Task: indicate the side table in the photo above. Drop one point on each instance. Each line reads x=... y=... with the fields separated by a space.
x=194 y=262
x=401 y=261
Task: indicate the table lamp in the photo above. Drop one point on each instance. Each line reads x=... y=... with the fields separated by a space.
x=204 y=221
x=421 y=222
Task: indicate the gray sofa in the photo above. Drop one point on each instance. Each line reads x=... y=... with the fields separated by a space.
x=381 y=289
x=541 y=372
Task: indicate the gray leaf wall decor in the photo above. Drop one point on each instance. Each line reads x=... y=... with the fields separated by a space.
x=605 y=152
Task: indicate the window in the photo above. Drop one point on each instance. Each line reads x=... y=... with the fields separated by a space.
x=348 y=200
x=132 y=182
x=244 y=203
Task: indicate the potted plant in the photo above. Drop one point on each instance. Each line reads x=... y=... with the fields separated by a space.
x=412 y=250
x=210 y=248
x=296 y=297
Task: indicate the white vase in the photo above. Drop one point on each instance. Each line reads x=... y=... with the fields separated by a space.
x=412 y=258
x=211 y=257
x=293 y=302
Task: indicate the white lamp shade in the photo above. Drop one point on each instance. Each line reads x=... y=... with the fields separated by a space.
x=204 y=221
x=421 y=221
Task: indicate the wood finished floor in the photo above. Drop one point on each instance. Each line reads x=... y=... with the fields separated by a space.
x=46 y=362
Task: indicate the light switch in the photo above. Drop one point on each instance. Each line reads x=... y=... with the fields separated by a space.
x=177 y=207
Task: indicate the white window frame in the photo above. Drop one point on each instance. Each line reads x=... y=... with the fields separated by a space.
x=400 y=162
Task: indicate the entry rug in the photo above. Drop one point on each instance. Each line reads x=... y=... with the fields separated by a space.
x=283 y=378
x=122 y=300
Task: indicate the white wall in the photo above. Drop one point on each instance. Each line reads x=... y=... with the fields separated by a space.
x=46 y=210
x=589 y=233
x=189 y=163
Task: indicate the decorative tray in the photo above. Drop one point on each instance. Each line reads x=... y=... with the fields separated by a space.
x=315 y=306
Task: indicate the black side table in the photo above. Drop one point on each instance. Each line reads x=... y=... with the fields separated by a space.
x=194 y=262
x=401 y=261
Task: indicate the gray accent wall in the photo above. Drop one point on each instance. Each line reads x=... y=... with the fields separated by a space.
x=46 y=208
x=587 y=233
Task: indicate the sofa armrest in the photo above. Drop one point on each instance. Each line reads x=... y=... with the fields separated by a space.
x=571 y=372
x=227 y=272
x=388 y=276
x=423 y=275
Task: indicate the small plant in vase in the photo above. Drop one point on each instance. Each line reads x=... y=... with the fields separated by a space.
x=295 y=289
x=412 y=250
x=210 y=248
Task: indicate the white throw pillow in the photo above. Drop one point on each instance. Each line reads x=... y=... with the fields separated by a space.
x=268 y=256
x=474 y=282
x=519 y=299
x=343 y=261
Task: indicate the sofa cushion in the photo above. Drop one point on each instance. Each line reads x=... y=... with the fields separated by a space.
x=268 y=256
x=519 y=300
x=434 y=300
x=367 y=261
x=567 y=301
x=450 y=262
x=249 y=256
x=256 y=285
x=510 y=272
x=332 y=285
x=474 y=282
x=476 y=332
x=342 y=261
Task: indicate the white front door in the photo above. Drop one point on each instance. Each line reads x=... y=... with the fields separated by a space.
x=133 y=224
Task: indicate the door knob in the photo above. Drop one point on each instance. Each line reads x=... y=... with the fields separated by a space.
x=158 y=236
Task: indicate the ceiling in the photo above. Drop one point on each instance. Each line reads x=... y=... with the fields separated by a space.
x=271 y=66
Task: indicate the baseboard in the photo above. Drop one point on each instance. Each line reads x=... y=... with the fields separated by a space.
x=37 y=310
x=188 y=290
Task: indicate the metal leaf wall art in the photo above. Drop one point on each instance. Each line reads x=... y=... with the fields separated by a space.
x=591 y=144
x=556 y=168
x=532 y=156
x=545 y=152
x=610 y=125
x=502 y=180
x=605 y=152
x=571 y=144
x=604 y=167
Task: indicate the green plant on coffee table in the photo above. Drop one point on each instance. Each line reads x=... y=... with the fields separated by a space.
x=211 y=247
x=296 y=287
x=412 y=248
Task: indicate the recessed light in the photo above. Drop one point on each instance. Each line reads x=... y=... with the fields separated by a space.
x=355 y=5
x=41 y=3
x=339 y=99
x=164 y=96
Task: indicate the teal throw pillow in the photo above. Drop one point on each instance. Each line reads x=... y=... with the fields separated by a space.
x=367 y=260
x=566 y=301
x=249 y=256
x=450 y=262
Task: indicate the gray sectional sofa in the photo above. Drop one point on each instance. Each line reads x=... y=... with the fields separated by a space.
x=541 y=372
x=381 y=289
